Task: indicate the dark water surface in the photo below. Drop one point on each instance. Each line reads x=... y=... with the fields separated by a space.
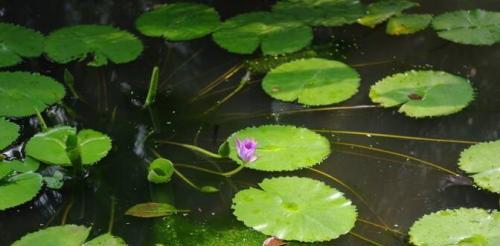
x=399 y=191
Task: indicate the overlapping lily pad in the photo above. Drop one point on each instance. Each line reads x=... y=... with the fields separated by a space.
x=482 y=161
x=106 y=240
x=18 y=189
x=312 y=81
x=179 y=21
x=280 y=148
x=294 y=208
x=17 y=42
x=276 y=34
x=475 y=27
x=423 y=93
x=8 y=133
x=102 y=42
x=52 y=147
x=321 y=12
x=408 y=24
x=459 y=227
x=23 y=93
x=381 y=11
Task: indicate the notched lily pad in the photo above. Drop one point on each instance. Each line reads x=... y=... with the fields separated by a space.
x=17 y=42
x=482 y=161
x=67 y=235
x=8 y=133
x=19 y=189
x=179 y=21
x=312 y=81
x=23 y=93
x=102 y=42
x=457 y=227
x=294 y=208
x=275 y=34
x=380 y=11
x=160 y=171
x=281 y=148
x=423 y=93
x=408 y=24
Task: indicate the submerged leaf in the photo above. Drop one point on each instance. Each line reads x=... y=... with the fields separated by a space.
x=56 y=181
x=8 y=133
x=103 y=42
x=276 y=34
x=17 y=42
x=151 y=210
x=23 y=93
x=475 y=27
x=312 y=81
x=457 y=227
x=408 y=24
x=209 y=189
x=160 y=171
x=106 y=240
x=281 y=148
x=294 y=208
x=179 y=21
x=19 y=189
x=423 y=93
x=66 y=235
x=482 y=161
x=382 y=10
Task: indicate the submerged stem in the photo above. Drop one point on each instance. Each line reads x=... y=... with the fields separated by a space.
x=230 y=72
x=41 y=121
x=427 y=163
x=374 y=134
x=67 y=209
x=112 y=215
x=192 y=147
x=242 y=84
x=185 y=179
x=201 y=169
x=385 y=228
x=365 y=238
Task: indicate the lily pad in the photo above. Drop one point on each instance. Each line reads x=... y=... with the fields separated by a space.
x=18 y=189
x=482 y=161
x=8 y=133
x=423 y=93
x=152 y=210
x=312 y=81
x=280 y=148
x=103 y=42
x=28 y=165
x=160 y=171
x=106 y=240
x=67 y=235
x=51 y=146
x=276 y=34
x=459 y=227
x=294 y=208
x=17 y=42
x=179 y=21
x=381 y=11
x=408 y=24
x=23 y=93
x=321 y=12
x=475 y=27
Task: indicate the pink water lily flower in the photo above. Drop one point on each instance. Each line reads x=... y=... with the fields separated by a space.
x=246 y=149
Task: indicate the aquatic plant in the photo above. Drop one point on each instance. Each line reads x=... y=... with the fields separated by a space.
x=18 y=188
x=9 y=132
x=408 y=24
x=17 y=42
x=160 y=171
x=153 y=210
x=246 y=149
x=379 y=11
x=482 y=162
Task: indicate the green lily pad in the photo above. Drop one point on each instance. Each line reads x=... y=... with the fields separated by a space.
x=28 y=165
x=321 y=12
x=160 y=171
x=475 y=27
x=457 y=227
x=8 y=133
x=17 y=42
x=103 y=42
x=407 y=24
x=482 y=161
x=23 y=93
x=280 y=148
x=276 y=34
x=381 y=11
x=152 y=210
x=179 y=21
x=312 y=82
x=19 y=189
x=66 y=235
x=106 y=240
x=51 y=146
x=294 y=208
x=423 y=93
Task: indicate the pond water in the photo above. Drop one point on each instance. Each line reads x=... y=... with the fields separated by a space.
x=398 y=190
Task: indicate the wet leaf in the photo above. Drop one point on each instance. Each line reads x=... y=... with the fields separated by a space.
x=152 y=210
x=28 y=165
x=17 y=42
x=380 y=11
x=106 y=240
x=56 y=181
x=67 y=235
x=482 y=162
x=160 y=171
x=209 y=189
x=407 y=24
x=8 y=133
x=18 y=189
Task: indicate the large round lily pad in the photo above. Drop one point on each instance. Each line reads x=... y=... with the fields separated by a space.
x=276 y=34
x=17 y=42
x=475 y=27
x=103 y=42
x=18 y=189
x=379 y=11
x=179 y=21
x=8 y=133
x=312 y=81
x=423 y=93
x=66 y=235
x=321 y=12
x=458 y=227
x=280 y=148
x=294 y=208
x=23 y=93
x=482 y=161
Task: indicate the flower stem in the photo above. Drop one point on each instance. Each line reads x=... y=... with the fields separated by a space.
x=192 y=147
x=230 y=72
x=365 y=239
x=242 y=84
x=112 y=215
x=224 y=174
x=153 y=88
x=41 y=121
x=185 y=179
